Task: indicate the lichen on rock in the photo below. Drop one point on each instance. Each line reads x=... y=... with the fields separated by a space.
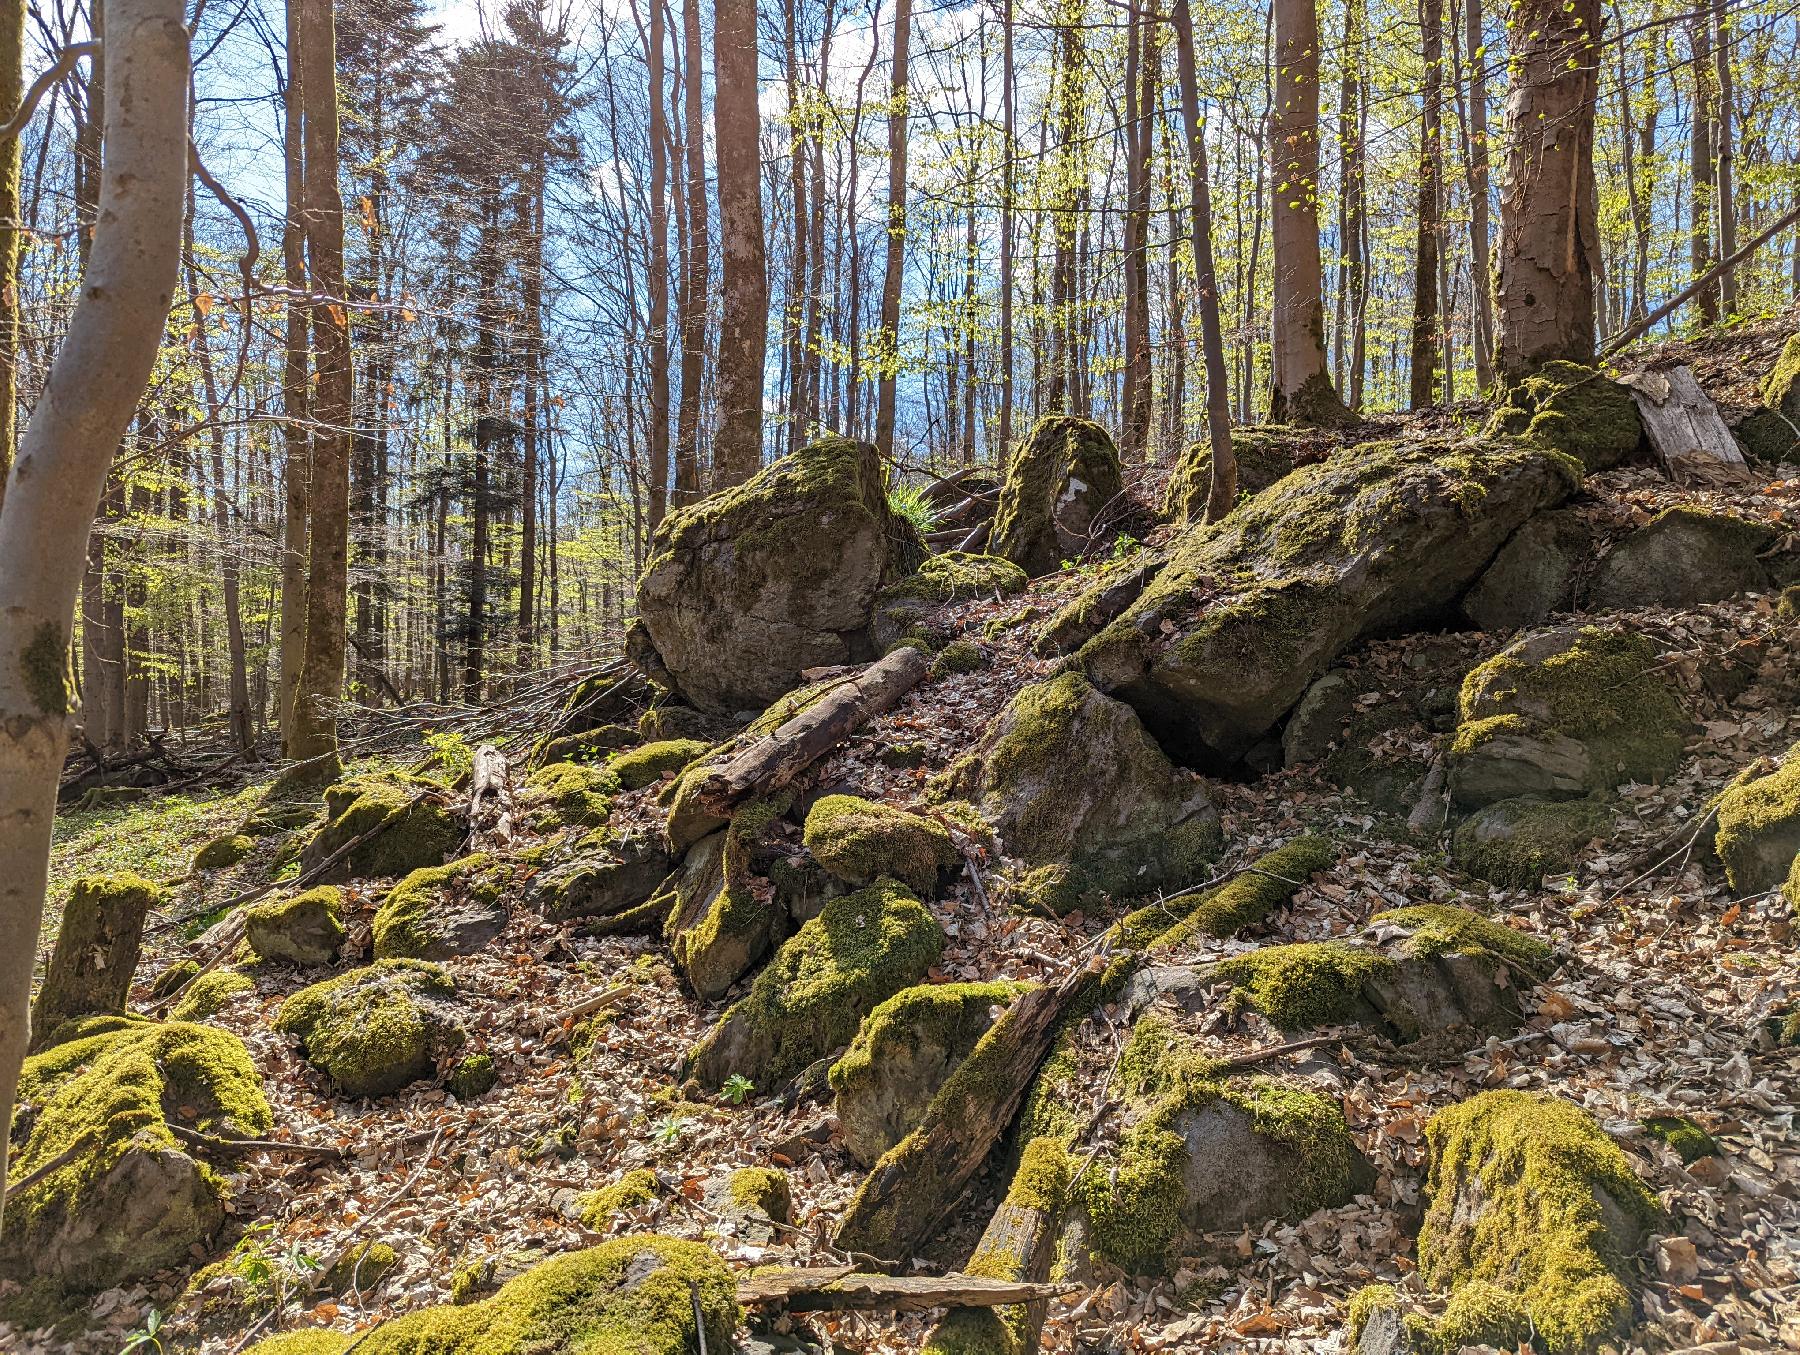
x=1057 y=483
x=811 y=998
x=374 y=1030
x=306 y=929
x=1528 y=1195
x=859 y=841
x=437 y=912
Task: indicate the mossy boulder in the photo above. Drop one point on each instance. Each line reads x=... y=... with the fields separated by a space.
x=609 y=879
x=309 y=1341
x=472 y=1077
x=858 y=841
x=634 y=1190
x=811 y=998
x=96 y=951
x=757 y=1201
x=1765 y=436
x=223 y=851
x=1686 y=1138
x=1781 y=389
x=1129 y=824
x=781 y=573
x=1264 y=455
x=589 y=746
x=209 y=993
x=306 y=929
x=410 y=818
x=955 y=576
x=906 y=1048
x=1516 y=843
x=1199 y=1153
x=1758 y=836
x=640 y=1295
x=1535 y=574
x=1562 y=712
x=958 y=657
x=1270 y=882
x=439 y=911
x=648 y=764
x=130 y=1201
x=1682 y=558
x=722 y=913
x=569 y=794
x=1572 y=409
x=374 y=1030
x=1529 y=1196
x=1057 y=483
x=1383 y=537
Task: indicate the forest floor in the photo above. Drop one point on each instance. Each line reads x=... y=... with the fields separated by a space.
x=1656 y=1009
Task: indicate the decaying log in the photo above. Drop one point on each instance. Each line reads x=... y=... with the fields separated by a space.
x=1684 y=426
x=919 y=1180
x=490 y=778
x=96 y=951
x=773 y=761
x=840 y=1289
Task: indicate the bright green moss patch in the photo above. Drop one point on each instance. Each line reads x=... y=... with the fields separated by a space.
x=210 y=992
x=951 y=1015
x=374 y=1030
x=1364 y=1304
x=576 y=793
x=404 y=924
x=1439 y=928
x=363 y=1267
x=1781 y=391
x=763 y=1190
x=1529 y=1196
x=224 y=851
x=307 y=929
x=1268 y=883
x=1311 y=983
x=1688 y=1139
x=1572 y=409
x=644 y=766
x=860 y=840
x=472 y=1077
x=957 y=576
x=722 y=917
x=1482 y=1314
x=412 y=824
x=314 y=1342
x=959 y=656
x=633 y=1190
x=1759 y=828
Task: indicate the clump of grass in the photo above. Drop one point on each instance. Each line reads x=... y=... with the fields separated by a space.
x=909 y=502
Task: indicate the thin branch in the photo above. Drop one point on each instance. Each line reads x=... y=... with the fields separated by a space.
x=65 y=63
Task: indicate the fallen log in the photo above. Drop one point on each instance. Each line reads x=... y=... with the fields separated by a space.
x=776 y=759
x=919 y=1180
x=489 y=777
x=841 y=1289
x=1684 y=426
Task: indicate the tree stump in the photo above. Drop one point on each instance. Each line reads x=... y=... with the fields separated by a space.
x=96 y=950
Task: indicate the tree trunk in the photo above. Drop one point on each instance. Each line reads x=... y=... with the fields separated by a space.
x=12 y=88
x=743 y=325
x=1549 y=240
x=1726 y=202
x=892 y=277
x=1301 y=392
x=322 y=671
x=1140 y=96
x=1008 y=192
x=1475 y=161
x=99 y=374
x=1700 y=166
x=296 y=466
x=695 y=268
x=1423 y=385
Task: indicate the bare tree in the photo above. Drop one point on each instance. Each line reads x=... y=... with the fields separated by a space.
x=99 y=373
x=896 y=236
x=744 y=319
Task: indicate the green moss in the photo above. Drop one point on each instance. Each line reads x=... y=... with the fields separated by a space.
x=1781 y=391
x=307 y=929
x=959 y=656
x=1688 y=1139
x=1058 y=450
x=402 y=927
x=104 y=1089
x=811 y=998
x=371 y=1030
x=1482 y=1314
x=363 y=1267
x=1439 y=929
x=1759 y=827
x=1311 y=983
x=174 y=978
x=946 y=1015
x=1572 y=409
x=763 y=1190
x=721 y=916
x=44 y=663
x=472 y=1077
x=1559 y=1213
x=210 y=992
x=314 y=1341
x=860 y=840
x=413 y=826
x=1364 y=1304
x=224 y=851
x=646 y=765
x=1540 y=838
x=957 y=576
x=633 y=1190
x=1268 y=883
x=572 y=793
x=1472 y=734
x=630 y=1296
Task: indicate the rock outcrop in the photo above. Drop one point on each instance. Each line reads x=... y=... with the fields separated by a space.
x=440 y=911
x=390 y=824
x=1536 y=573
x=1057 y=483
x=1758 y=836
x=373 y=1031
x=306 y=929
x=750 y=586
x=1683 y=557
x=1249 y=611
x=1264 y=455
x=954 y=576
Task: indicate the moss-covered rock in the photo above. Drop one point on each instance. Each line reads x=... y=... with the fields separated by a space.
x=640 y=1295
x=811 y=998
x=955 y=576
x=307 y=929
x=96 y=951
x=1758 y=835
x=750 y=586
x=610 y=879
x=1683 y=557
x=226 y=850
x=1572 y=409
x=1264 y=455
x=129 y=1201
x=590 y=745
x=311 y=1341
x=1516 y=843
x=957 y=657
x=1765 y=436
x=1781 y=389
x=722 y=915
x=1247 y=612
x=577 y=794
x=207 y=995
x=292 y=799
x=1535 y=574
x=666 y=721
x=374 y=1030
x=1247 y=898
x=411 y=821
x=1689 y=1141
x=1529 y=1196
x=648 y=764
x=1057 y=483
x=1562 y=712
x=439 y=911
x=859 y=841
x=906 y=1048
x=634 y=1190
x=472 y=1077
x=1129 y=824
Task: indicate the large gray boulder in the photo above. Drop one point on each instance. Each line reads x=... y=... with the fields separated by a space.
x=1535 y=573
x=1684 y=557
x=1249 y=611
x=747 y=588
x=1057 y=483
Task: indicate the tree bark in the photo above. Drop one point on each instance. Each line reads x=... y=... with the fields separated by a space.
x=743 y=325
x=1476 y=166
x=1008 y=192
x=1549 y=239
x=1725 y=204
x=99 y=374
x=695 y=267
x=895 y=268
x=296 y=466
x=1302 y=392
x=12 y=89
x=1422 y=376
x=1140 y=95
x=1700 y=165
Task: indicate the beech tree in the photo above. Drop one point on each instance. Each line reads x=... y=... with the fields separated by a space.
x=744 y=319
x=53 y=490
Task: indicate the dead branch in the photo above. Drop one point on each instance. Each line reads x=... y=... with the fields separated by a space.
x=839 y=1289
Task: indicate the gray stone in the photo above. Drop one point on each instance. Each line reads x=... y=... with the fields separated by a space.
x=1533 y=575
x=1681 y=559
x=1546 y=764
x=1058 y=482
x=609 y=881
